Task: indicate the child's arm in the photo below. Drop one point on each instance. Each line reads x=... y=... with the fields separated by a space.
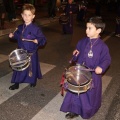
x=98 y=70
x=76 y=52
x=35 y=41
x=40 y=38
x=105 y=60
x=11 y=35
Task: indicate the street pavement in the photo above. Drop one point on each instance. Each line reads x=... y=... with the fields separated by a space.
x=43 y=102
x=41 y=18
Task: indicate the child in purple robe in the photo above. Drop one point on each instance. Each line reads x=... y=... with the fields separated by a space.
x=94 y=53
x=29 y=37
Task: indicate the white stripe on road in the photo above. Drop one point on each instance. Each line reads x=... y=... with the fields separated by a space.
x=52 y=110
x=107 y=37
x=3 y=58
x=5 y=82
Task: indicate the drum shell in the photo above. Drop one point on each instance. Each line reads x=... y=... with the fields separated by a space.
x=19 y=59
x=64 y=19
x=78 y=80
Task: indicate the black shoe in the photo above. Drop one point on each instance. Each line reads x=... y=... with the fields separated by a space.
x=70 y=115
x=32 y=85
x=15 y=86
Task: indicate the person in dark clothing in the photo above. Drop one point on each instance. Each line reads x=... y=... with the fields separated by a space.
x=117 y=29
x=11 y=10
x=81 y=13
x=52 y=8
x=2 y=14
x=98 y=8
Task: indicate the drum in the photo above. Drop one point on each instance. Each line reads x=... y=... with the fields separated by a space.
x=19 y=59
x=64 y=19
x=77 y=79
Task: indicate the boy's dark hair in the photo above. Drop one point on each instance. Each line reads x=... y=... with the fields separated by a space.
x=97 y=22
x=29 y=7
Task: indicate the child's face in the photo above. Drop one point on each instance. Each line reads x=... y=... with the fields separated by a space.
x=27 y=16
x=91 y=31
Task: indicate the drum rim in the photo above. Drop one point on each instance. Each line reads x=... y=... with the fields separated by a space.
x=79 y=89
x=25 y=64
x=76 y=88
x=68 y=71
x=21 y=68
x=18 y=50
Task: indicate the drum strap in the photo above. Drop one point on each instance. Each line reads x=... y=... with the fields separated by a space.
x=61 y=84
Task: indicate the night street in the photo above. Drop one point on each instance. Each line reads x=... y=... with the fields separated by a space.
x=43 y=101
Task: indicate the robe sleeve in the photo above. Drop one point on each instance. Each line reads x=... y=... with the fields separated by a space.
x=105 y=58
x=40 y=37
x=17 y=32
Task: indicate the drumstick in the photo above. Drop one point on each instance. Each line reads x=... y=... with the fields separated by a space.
x=28 y=40
x=15 y=30
x=72 y=58
x=86 y=69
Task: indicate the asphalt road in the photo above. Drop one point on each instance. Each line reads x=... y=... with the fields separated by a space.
x=26 y=103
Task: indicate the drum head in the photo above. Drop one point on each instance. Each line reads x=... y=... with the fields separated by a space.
x=76 y=75
x=19 y=59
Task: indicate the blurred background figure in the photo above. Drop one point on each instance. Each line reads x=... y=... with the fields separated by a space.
x=2 y=14
x=82 y=9
x=11 y=10
x=117 y=29
x=98 y=8
x=52 y=8
x=69 y=10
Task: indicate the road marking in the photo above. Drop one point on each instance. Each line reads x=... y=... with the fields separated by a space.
x=52 y=109
x=107 y=37
x=5 y=82
x=3 y=58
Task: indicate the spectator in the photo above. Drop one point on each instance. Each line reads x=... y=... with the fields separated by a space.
x=117 y=29
x=81 y=13
x=2 y=14
x=98 y=8
x=52 y=8
x=11 y=10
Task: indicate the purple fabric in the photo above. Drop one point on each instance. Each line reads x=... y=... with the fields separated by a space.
x=87 y=104
x=30 y=32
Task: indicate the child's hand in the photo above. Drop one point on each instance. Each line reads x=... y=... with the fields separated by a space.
x=98 y=70
x=11 y=35
x=35 y=41
x=76 y=52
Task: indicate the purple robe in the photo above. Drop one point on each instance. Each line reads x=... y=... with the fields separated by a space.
x=31 y=32
x=88 y=103
x=68 y=28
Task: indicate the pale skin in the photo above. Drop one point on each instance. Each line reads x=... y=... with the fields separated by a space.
x=28 y=17
x=91 y=32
